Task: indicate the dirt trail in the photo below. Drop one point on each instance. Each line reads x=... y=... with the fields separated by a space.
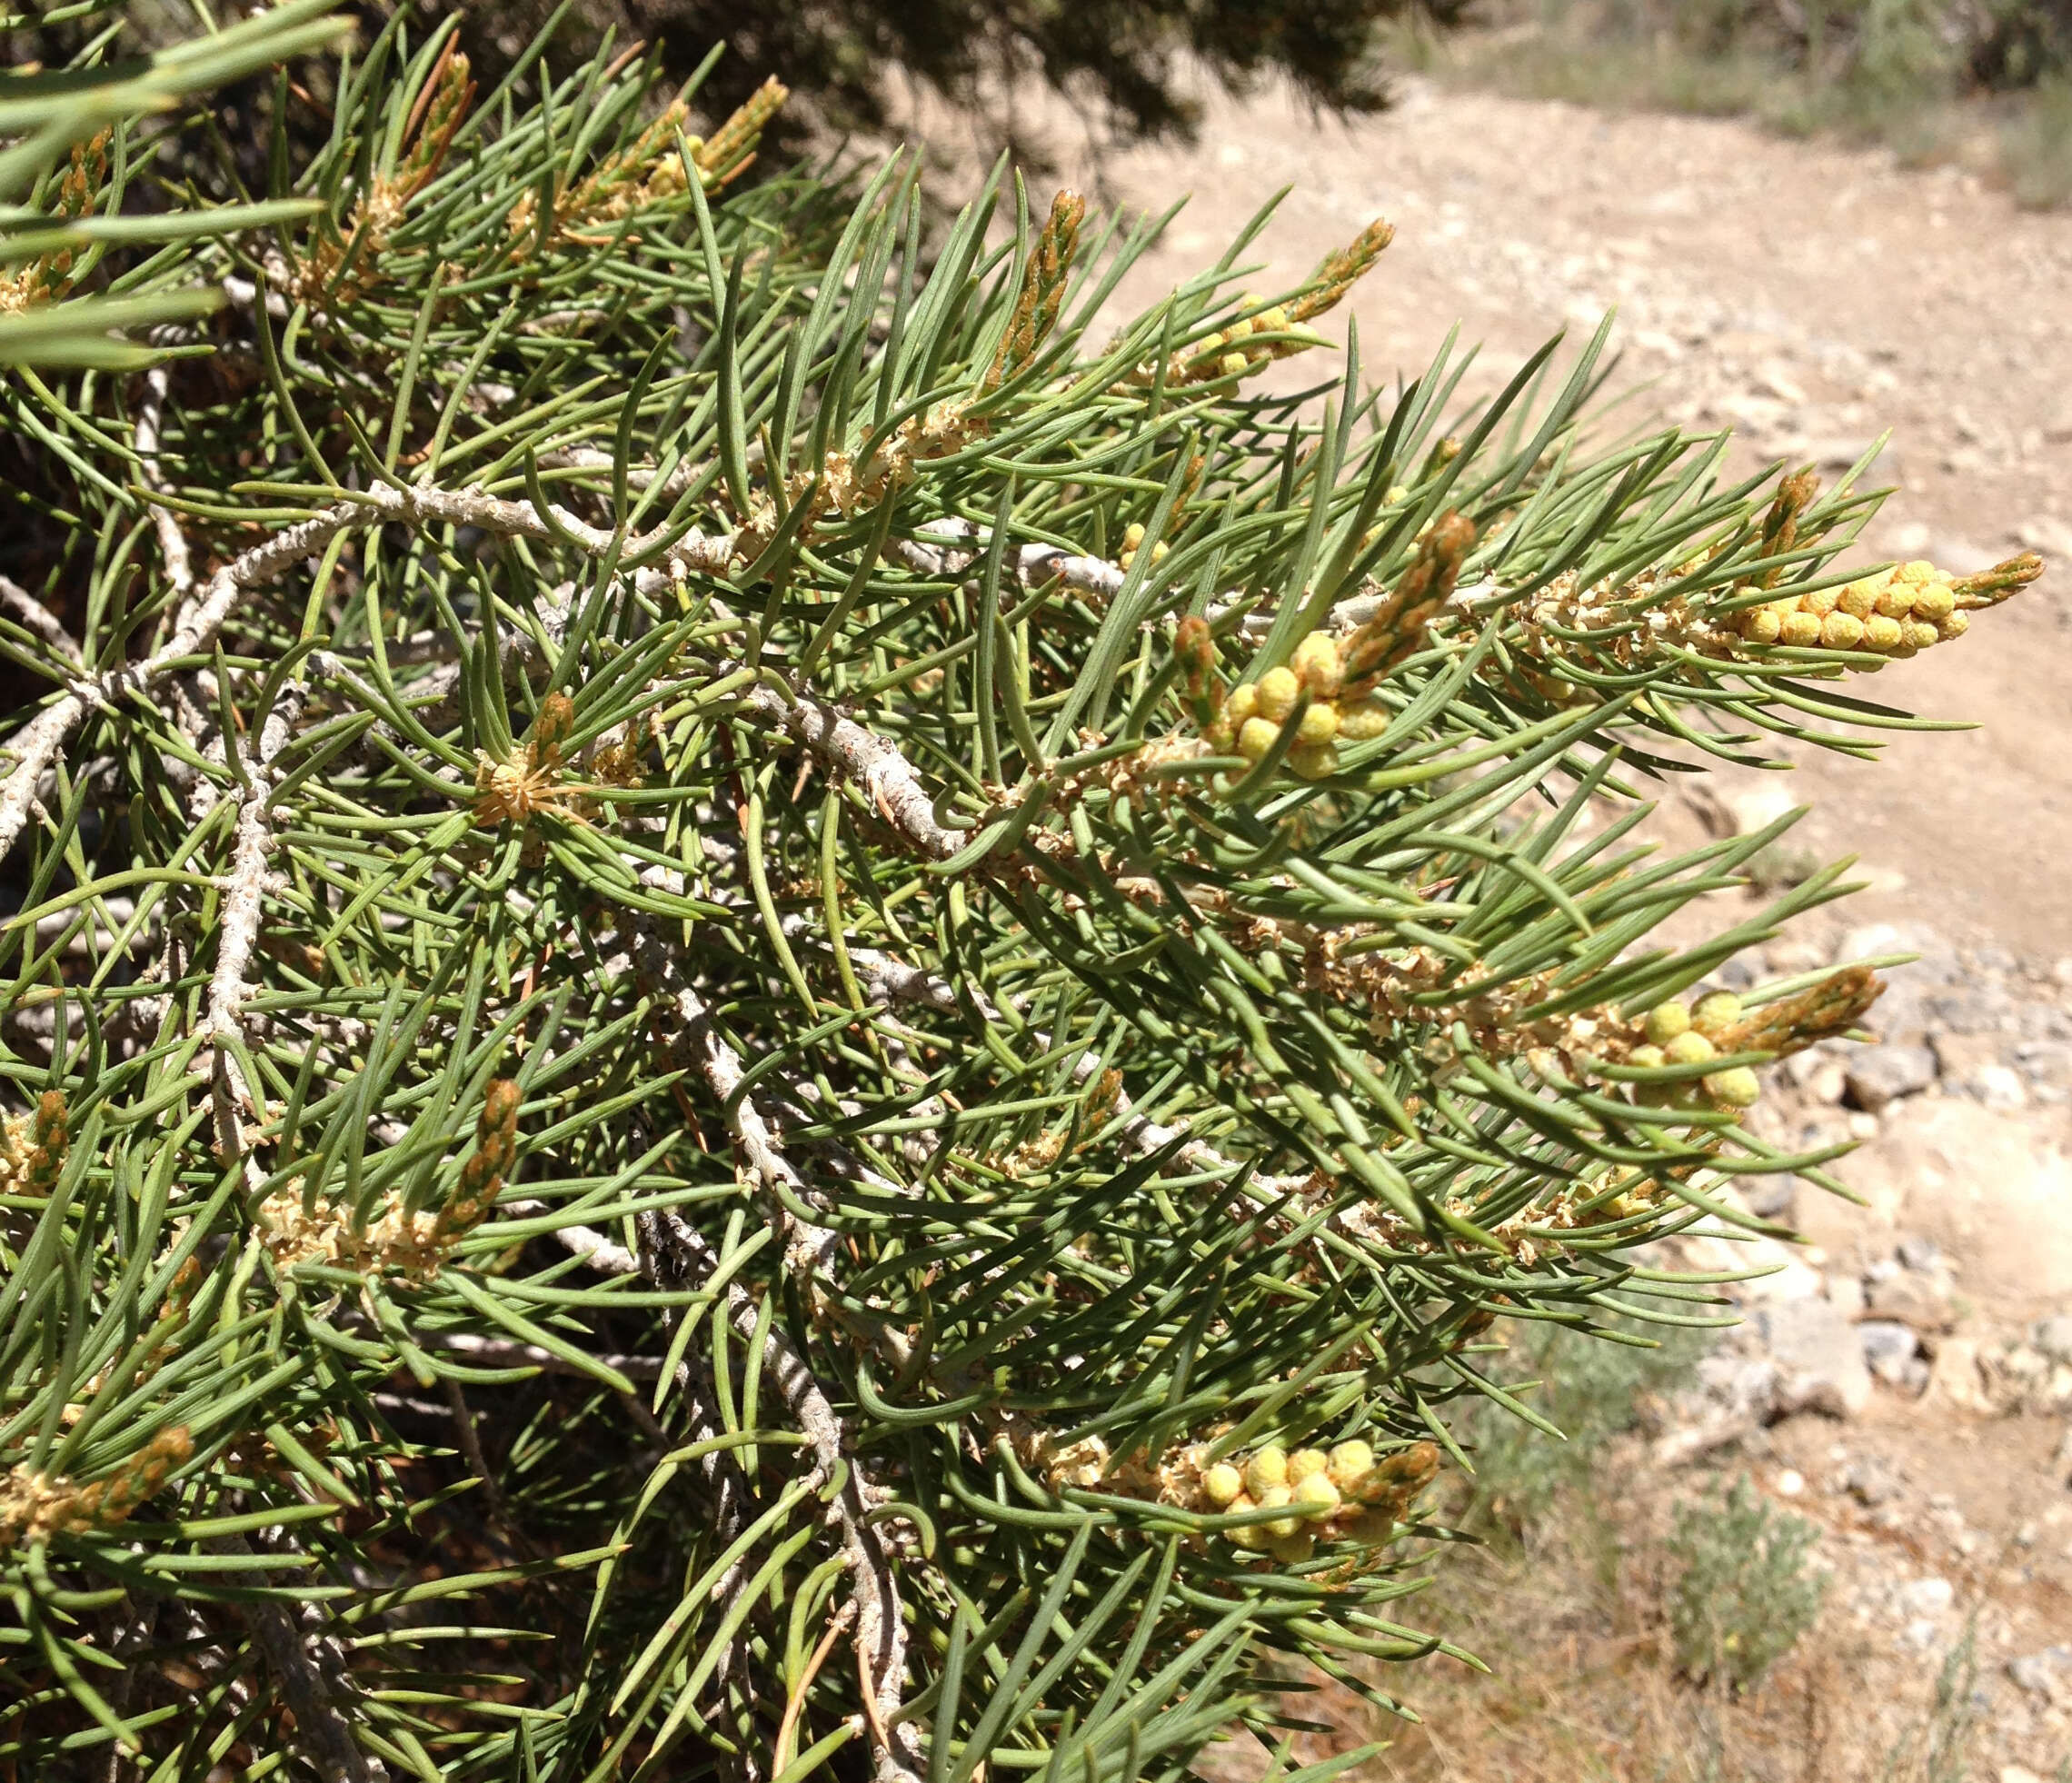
x=1810 y=295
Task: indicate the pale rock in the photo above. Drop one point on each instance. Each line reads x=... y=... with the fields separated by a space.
x=1818 y=1356
x=1771 y=1197
x=1871 y=1483
x=1887 y=1347
x=2044 y=1674
x=1998 y=1087
x=1791 y=1483
x=1955 y=1378
x=1963 y=1056
x=1757 y=807
x=1911 y=1298
x=1928 y=1597
x=1773 y=380
x=2044 y=532
x=2053 y=1336
x=1916 y=1252
x=1994 y=1187
x=1879 y=1076
x=1788 y=1278
x=1845 y=1292
x=1744 y=1385
x=1793 y=955
x=1870 y=941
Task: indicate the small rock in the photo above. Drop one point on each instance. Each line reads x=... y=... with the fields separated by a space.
x=1757 y=807
x=1927 y=1597
x=2041 y=1674
x=1871 y=1483
x=1917 y=1253
x=2053 y=1336
x=1959 y=1055
x=1743 y=1385
x=1845 y=1293
x=1882 y=1075
x=1794 y=955
x=1837 y=454
x=2044 y=532
x=1918 y=1301
x=1872 y=940
x=1953 y=1377
x=1791 y=1483
x=2018 y=1774
x=1889 y=1346
x=1773 y=380
x=1998 y=1087
x=2026 y=1368
x=1819 y=1360
x=1771 y=1197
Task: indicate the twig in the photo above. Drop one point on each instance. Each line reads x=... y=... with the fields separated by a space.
x=880 y=1634
x=873 y=762
x=171 y=541
x=471 y=1448
x=237 y=934
x=1035 y=565
x=809 y=1247
x=40 y=619
x=322 y=1728
x=511 y=1353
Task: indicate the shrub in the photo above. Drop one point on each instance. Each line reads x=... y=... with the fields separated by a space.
x=763 y=1015
x=1590 y=1390
x=1940 y=1749
x=1745 y=1595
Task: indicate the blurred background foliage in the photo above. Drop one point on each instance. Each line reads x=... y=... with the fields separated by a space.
x=1133 y=69
x=1983 y=82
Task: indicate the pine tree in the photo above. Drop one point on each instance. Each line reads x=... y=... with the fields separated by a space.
x=769 y=1011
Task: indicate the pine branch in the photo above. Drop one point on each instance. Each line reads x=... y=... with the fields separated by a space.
x=880 y=1633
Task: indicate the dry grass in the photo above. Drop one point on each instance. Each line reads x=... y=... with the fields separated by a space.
x=1583 y=1687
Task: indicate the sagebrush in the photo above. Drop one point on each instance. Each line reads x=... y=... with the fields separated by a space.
x=777 y=1002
